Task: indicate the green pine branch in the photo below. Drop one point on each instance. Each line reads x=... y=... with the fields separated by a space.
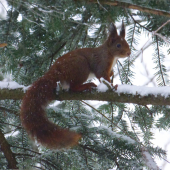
x=132 y=6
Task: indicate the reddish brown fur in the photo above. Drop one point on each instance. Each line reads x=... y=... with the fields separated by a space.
x=73 y=69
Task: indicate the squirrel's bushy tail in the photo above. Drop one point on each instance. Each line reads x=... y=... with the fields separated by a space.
x=34 y=119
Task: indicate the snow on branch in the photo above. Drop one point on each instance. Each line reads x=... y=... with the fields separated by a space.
x=11 y=90
x=124 y=94
x=104 y=92
x=10 y=85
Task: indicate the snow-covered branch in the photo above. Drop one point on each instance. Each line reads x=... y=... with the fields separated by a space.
x=11 y=90
x=124 y=94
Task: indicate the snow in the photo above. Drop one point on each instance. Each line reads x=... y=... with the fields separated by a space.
x=144 y=91
x=11 y=85
x=3 y=9
x=136 y=90
x=102 y=87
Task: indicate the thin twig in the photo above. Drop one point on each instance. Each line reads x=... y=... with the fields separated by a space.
x=101 y=6
x=160 y=66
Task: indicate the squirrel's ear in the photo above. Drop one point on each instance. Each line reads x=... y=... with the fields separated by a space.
x=122 y=31
x=113 y=30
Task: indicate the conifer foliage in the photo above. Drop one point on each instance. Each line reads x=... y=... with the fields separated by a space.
x=114 y=135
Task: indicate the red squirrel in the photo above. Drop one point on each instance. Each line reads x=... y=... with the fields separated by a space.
x=71 y=70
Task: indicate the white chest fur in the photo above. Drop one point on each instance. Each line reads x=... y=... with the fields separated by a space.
x=91 y=75
x=114 y=61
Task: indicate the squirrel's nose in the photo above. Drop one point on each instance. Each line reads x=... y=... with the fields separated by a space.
x=128 y=53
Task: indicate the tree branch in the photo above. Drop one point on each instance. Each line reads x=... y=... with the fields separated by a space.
x=132 y=6
x=14 y=94
x=124 y=94
x=5 y=148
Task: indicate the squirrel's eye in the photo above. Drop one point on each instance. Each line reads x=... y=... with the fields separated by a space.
x=118 y=45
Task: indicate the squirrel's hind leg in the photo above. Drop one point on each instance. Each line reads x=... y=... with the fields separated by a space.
x=82 y=87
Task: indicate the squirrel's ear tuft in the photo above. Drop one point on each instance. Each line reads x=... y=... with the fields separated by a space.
x=113 y=30
x=122 y=31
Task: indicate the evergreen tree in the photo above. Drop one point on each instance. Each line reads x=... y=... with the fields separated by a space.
x=114 y=135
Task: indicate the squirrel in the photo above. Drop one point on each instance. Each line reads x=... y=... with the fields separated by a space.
x=71 y=70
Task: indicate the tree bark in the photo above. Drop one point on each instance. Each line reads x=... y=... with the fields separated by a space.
x=5 y=148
